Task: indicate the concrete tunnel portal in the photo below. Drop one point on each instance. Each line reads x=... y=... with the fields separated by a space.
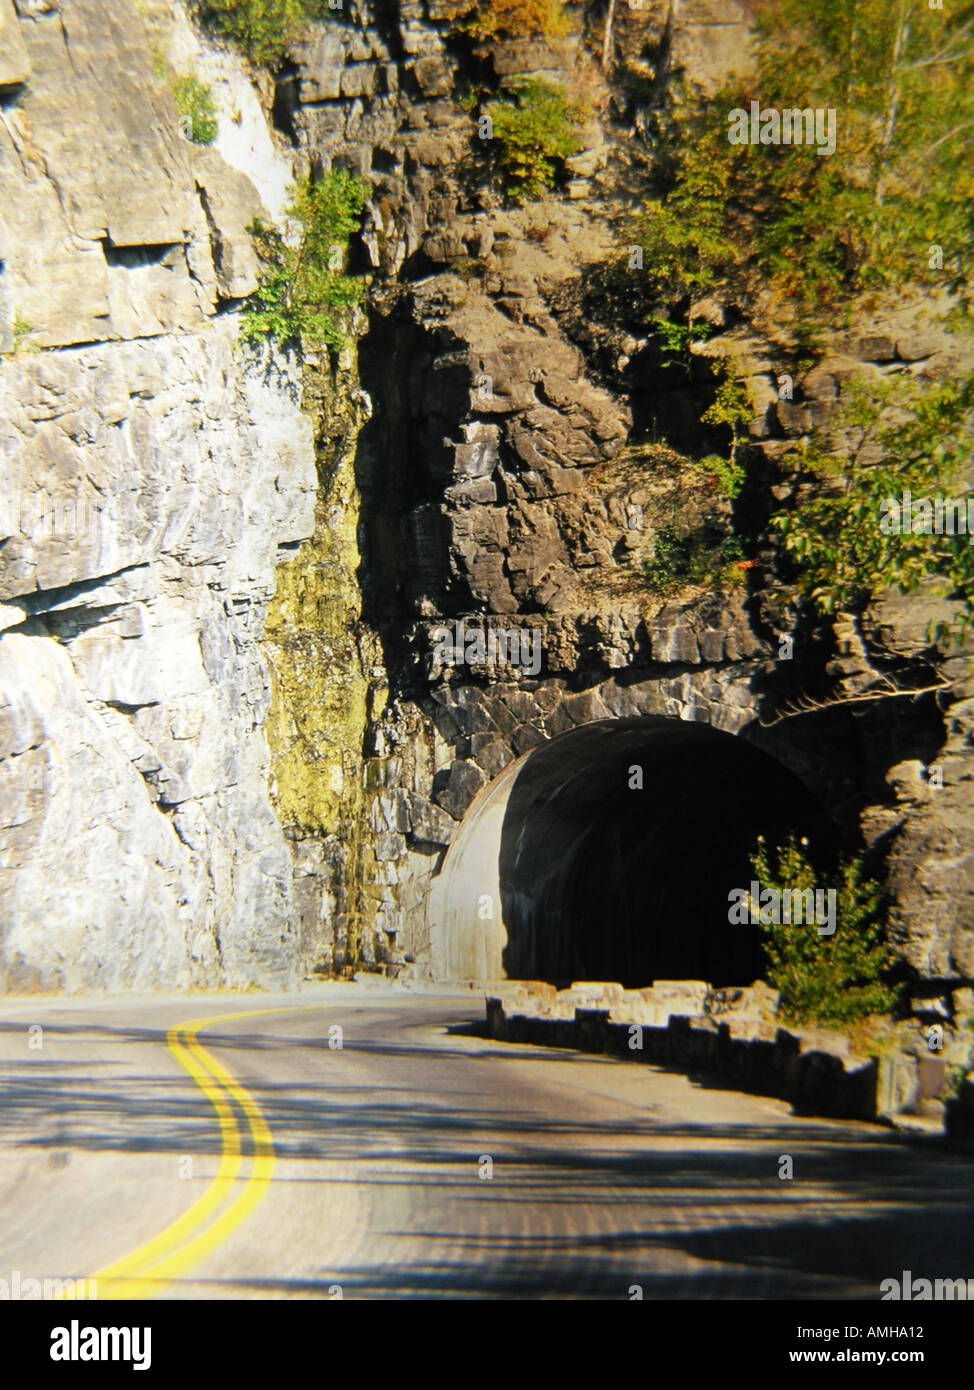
x=565 y=868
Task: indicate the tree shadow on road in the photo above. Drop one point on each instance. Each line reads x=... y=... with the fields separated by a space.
x=582 y=1204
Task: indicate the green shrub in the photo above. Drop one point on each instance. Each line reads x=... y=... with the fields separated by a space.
x=195 y=102
x=262 y=29
x=304 y=292
x=467 y=98
x=676 y=340
x=466 y=267
x=22 y=331
x=826 y=979
x=904 y=437
x=726 y=476
x=883 y=210
x=534 y=133
x=901 y=77
x=703 y=556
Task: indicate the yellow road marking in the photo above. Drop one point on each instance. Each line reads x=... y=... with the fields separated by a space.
x=215 y=1194
x=187 y=1240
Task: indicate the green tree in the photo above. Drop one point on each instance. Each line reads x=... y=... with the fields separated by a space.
x=262 y=29
x=826 y=979
x=304 y=292
x=901 y=78
x=891 y=205
x=534 y=133
x=890 y=437
x=733 y=407
x=700 y=231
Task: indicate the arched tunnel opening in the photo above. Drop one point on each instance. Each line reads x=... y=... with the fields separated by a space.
x=609 y=854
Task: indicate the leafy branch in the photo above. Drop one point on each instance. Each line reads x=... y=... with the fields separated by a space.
x=304 y=292
x=904 y=438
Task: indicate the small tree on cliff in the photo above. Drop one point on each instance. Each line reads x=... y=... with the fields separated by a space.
x=304 y=292
x=889 y=205
x=262 y=29
x=826 y=979
x=848 y=537
x=534 y=133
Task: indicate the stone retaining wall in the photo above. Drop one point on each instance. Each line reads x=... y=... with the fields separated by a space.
x=678 y=1024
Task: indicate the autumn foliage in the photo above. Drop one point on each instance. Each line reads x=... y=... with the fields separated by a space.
x=510 y=19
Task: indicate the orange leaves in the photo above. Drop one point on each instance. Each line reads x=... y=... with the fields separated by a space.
x=511 y=19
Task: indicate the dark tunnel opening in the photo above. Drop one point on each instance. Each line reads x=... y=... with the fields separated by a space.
x=599 y=878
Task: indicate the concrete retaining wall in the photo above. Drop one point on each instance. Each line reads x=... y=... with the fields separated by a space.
x=749 y=1054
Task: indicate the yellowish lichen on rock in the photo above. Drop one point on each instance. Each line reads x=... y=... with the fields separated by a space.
x=320 y=656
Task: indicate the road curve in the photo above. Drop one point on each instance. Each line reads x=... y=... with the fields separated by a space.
x=250 y=1156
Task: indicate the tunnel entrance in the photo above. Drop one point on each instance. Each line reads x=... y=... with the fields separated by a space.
x=609 y=854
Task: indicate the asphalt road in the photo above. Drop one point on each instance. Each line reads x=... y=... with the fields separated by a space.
x=290 y=1167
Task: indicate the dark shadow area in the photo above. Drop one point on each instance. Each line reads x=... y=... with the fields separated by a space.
x=286 y=100
x=621 y=843
x=477 y=1028
x=403 y=464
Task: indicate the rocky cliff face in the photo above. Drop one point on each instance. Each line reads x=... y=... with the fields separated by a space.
x=508 y=375
x=150 y=482
x=472 y=463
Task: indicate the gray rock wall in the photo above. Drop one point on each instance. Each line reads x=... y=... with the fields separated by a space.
x=150 y=478
x=497 y=491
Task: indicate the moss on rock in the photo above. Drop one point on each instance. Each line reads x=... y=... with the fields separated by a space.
x=321 y=659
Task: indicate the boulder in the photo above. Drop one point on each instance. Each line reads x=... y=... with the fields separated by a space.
x=462 y=783
x=429 y=822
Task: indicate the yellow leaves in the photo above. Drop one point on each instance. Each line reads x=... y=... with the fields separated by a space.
x=512 y=19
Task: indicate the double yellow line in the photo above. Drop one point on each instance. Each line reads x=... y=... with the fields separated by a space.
x=195 y=1234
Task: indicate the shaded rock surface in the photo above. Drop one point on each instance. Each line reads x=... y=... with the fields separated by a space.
x=500 y=492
